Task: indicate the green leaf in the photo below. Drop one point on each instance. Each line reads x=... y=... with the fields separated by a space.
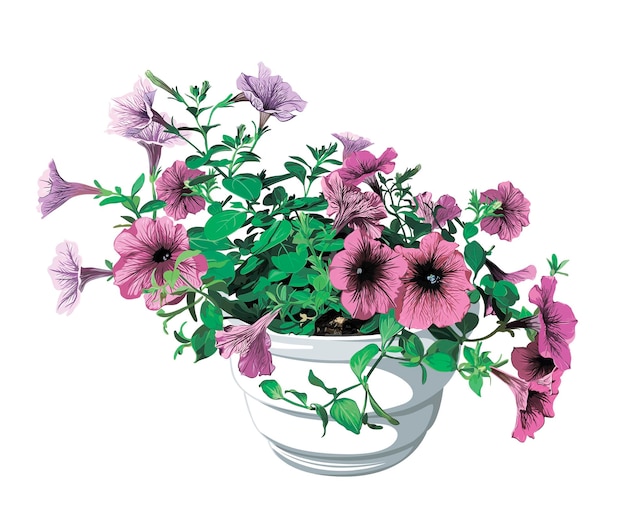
x=302 y=397
x=378 y=410
x=203 y=342
x=151 y=206
x=323 y=415
x=247 y=187
x=469 y=231
x=211 y=316
x=442 y=355
x=476 y=382
x=388 y=325
x=291 y=262
x=113 y=199
x=475 y=256
x=272 y=389
x=274 y=235
x=138 y=184
x=296 y=170
x=362 y=358
x=413 y=345
x=195 y=161
x=468 y=323
x=223 y=224
x=318 y=382
x=346 y=412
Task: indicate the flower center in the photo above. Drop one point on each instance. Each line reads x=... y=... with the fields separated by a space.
x=161 y=255
x=427 y=277
x=366 y=272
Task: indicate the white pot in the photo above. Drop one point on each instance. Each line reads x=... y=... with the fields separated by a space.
x=295 y=434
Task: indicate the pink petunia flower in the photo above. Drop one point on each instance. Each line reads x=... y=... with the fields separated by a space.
x=54 y=191
x=69 y=277
x=515 y=277
x=519 y=387
x=557 y=324
x=171 y=188
x=530 y=364
x=369 y=275
x=437 y=213
x=353 y=207
x=252 y=342
x=539 y=406
x=352 y=143
x=362 y=165
x=514 y=211
x=435 y=285
x=151 y=247
x=269 y=95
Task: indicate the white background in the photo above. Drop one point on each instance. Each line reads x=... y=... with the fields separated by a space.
x=95 y=416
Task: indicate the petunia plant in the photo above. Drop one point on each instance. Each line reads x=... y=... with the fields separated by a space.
x=337 y=242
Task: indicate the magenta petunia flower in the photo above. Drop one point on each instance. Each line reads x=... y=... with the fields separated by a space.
x=435 y=285
x=151 y=247
x=352 y=143
x=514 y=211
x=132 y=112
x=69 y=277
x=369 y=275
x=54 y=191
x=437 y=213
x=518 y=386
x=252 y=342
x=269 y=95
x=539 y=405
x=171 y=188
x=557 y=324
x=530 y=364
x=353 y=207
x=515 y=277
x=362 y=165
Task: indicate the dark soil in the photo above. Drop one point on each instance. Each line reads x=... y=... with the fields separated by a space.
x=333 y=324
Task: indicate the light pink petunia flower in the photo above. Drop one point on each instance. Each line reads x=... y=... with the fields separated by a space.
x=152 y=246
x=557 y=324
x=352 y=207
x=54 y=191
x=252 y=342
x=369 y=275
x=171 y=188
x=514 y=211
x=437 y=213
x=352 y=143
x=69 y=277
x=269 y=95
x=132 y=112
x=362 y=165
x=435 y=285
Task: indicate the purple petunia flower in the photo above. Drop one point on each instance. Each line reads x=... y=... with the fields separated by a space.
x=437 y=213
x=352 y=143
x=513 y=212
x=362 y=165
x=69 y=277
x=557 y=324
x=151 y=247
x=369 y=275
x=54 y=191
x=171 y=188
x=435 y=285
x=132 y=116
x=269 y=95
x=252 y=342
x=353 y=207
x=132 y=112
x=530 y=364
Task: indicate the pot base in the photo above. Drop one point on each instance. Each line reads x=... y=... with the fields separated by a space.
x=337 y=465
